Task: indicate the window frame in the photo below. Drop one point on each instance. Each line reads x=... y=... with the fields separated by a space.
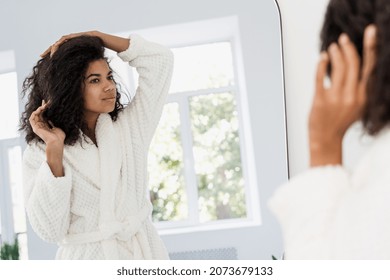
x=7 y=225
x=6 y=201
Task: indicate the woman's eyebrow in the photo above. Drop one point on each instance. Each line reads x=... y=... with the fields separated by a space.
x=97 y=75
x=93 y=75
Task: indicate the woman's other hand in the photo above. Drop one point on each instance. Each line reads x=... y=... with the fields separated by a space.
x=115 y=43
x=337 y=106
x=53 y=48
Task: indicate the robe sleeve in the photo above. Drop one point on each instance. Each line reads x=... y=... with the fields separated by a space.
x=154 y=64
x=46 y=198
x=306 y=208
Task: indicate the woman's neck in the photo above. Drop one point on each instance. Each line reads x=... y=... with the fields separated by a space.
x=91 y=127
x=91 y=135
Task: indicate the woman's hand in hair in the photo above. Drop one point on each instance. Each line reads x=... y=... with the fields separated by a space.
x=115 y=43
x=53 y=48
x=46 y=131
x=54 y=138
x=337 y=106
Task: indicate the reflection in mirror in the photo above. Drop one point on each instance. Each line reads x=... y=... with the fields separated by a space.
x=196 y=156
x=220 y=148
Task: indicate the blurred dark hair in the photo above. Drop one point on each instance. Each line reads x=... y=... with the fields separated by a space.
x=58 y=80
x=352 y=17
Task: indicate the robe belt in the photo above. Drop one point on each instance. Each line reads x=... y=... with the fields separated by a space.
x=123 y=231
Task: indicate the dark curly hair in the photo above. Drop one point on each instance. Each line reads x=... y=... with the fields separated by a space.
x=58 y=80
x=352 y=17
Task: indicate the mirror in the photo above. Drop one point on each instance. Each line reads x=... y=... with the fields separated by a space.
x=227 y=52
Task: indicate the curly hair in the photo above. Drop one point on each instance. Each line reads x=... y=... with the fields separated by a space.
x=58 y=80
x=352 y=17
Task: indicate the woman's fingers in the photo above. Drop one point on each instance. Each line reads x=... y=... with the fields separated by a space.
x=338 y=66
x=321 y=72
x=352 y=64
x=369 y=53
x=46 y=52
x=53 y=48
x=45 y=129
x=36 y=116
x=51 y=125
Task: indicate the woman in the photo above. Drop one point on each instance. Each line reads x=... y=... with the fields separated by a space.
x=328 y=212
x=85 y=175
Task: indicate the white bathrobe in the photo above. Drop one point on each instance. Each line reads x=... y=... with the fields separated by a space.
x=329 y=213
x=100 y=208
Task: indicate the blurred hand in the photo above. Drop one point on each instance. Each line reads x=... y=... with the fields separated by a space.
x=337 y=107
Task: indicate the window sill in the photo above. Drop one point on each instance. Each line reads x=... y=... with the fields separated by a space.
x=211 y=226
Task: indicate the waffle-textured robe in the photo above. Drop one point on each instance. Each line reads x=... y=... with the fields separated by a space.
x=331 y=213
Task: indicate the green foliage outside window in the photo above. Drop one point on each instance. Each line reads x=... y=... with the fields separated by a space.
x=215 y=139
x=217 y=161
x=217 y=157
x=166 y=167
x=9 y=251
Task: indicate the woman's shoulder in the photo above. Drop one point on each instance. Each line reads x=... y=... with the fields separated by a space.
x=374 y=164
x=379 y=148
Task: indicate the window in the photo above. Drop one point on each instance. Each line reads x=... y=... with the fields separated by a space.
x=200 y=154
x=9 y=110
x=198 y=159
x=13 y=220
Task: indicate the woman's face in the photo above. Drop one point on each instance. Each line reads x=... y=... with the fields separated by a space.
x=99 y=89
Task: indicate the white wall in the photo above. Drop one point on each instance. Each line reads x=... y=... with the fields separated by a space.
x=301 y=24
